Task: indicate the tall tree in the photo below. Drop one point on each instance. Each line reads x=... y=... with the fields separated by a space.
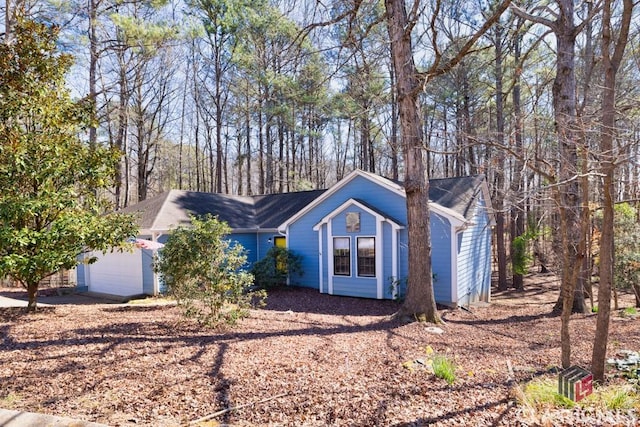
x=221 y=20
x=565 y=179
x=612 y=55
x=420 y=300
x=48 y=210
x=498 y=43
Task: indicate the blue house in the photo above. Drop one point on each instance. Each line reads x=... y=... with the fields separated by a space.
x=352 y=237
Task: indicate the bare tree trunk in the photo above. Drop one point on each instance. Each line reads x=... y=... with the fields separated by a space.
x=32 y=293
x=247 y=129
x=394 y=126
x=566 y=187
x=11 y=14
x=261 y=180
x=611 y=62
x=499 y=181
x=517 y=211
x=420 y=300
x=121 y=136
x=93 y=65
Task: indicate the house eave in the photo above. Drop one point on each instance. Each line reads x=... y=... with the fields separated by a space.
x=337 y=186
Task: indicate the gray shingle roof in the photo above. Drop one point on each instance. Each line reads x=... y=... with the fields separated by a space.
x=458 y=194
x=173 y=208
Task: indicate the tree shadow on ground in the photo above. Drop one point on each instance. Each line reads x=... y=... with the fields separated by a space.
x=452 y=414
x=515 y=319
x=307 y=300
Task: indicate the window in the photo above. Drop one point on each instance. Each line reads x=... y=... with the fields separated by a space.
x=353 y=222
x=367 y=256
x=341 y=256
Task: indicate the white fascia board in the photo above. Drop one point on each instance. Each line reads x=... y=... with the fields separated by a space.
x=454 y=217
x=337 y=186
x=255 y=230
x=486 y=195
x=349 y=202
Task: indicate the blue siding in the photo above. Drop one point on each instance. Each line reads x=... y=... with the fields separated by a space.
x=472 y=271
x=304 y=240
x=403 y=260
x=441 y=258
x=355 y=287
x=387 y=261
x=474 y=259
x=249 y=243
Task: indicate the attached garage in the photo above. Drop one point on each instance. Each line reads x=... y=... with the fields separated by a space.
x=115 y=273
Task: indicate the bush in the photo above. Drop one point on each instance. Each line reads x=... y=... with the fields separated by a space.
x=275 y=267
x=444 y=368
x=203 y=271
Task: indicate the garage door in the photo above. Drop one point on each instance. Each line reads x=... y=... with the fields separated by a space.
x=116 y=273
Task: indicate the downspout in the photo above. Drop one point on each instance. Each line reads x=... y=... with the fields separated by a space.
x=156 y=280
x=394 y=260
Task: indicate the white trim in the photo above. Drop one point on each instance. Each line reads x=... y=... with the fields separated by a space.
x=321 y=277
x=375 y=249
x=352 y=266
x=488 y=205
x=329 y=259
x=454 y=217
x=156 y=280
x=384 y=182
x=327 y=219
x=379 y=236
x=394 y=259
x=379 y=263
x=454 y=265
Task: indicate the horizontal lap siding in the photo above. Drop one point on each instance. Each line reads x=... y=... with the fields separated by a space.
x=147 y=271
x=403 y=261
x=304 y=240
x=248 y=242
x=474 y=259
x=81 y=281
x=441 y=258
x=387 y=260
x=354 y=286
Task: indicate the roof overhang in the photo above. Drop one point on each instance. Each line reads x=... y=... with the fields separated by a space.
x=390 y=185
x=353 y=202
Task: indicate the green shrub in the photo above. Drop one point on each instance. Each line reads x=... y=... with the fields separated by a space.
x=203 y=271
x=275 y=267
x=543 y=394
x=444 y=368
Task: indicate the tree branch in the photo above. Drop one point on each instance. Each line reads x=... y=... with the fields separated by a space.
x=233 y=408
x=533 y=18
x=436 y=70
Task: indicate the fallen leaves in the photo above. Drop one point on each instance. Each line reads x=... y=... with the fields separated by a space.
x=305 y=359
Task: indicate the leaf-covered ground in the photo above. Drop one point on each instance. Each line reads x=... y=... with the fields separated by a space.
x=306 y=359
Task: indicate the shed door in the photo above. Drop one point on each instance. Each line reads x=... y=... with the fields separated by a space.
x=116 y=273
